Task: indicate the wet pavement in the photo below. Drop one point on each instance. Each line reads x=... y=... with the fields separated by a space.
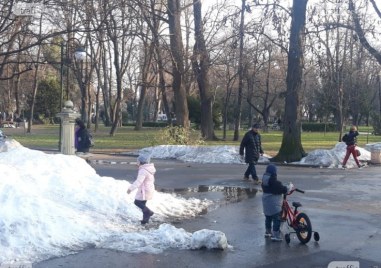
x=344 y=207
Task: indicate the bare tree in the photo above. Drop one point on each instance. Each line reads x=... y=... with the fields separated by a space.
x=152 y=14
x=146 y=81
x=176 y=43
x=238 y=108
x=201 y=63
x=120 y=28
x=291 y=148
x=225 y=77
x=364 y=40
x=154 y=24
x=360 y=31
x=264 y=85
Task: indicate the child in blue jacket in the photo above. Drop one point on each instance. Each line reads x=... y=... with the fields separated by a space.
x=273 y=191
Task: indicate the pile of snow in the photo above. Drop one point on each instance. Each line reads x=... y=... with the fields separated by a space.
x=53 y=205
x=334 y=157
x=198 y=154
x=209 y=239
x=373 y=147
x=230 y=155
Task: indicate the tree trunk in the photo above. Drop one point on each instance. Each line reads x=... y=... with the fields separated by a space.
x=148 y=54
x=107 y=72
x=238 y=108
x=176 y=44
x=201 y=63
x=117 y=101
x=291 y=149
x=162 y=88
x=119 y=89
x=35 y=85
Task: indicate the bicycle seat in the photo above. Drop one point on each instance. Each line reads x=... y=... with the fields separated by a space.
x=296 y=204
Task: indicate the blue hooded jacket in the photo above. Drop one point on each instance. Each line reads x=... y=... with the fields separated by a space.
x=273 y=191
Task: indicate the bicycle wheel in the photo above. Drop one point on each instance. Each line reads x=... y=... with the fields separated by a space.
x=304 y=228
x=287 y=238
x=316 y=236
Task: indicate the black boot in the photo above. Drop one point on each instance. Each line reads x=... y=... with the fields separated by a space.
x=147 y=213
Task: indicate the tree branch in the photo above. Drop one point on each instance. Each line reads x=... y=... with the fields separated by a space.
x=360 y=32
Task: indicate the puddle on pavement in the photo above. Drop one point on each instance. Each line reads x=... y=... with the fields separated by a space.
x=220 y=194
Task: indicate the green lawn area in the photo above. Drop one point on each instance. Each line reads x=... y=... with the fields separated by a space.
x=126 y=138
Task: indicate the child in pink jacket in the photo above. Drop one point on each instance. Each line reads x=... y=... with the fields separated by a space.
x=145 y=183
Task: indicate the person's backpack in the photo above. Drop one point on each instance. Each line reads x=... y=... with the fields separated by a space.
x=345 y=138
x=90 y=140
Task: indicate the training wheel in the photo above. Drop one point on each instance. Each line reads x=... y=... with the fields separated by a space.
x=287 y=238
x=316 y=236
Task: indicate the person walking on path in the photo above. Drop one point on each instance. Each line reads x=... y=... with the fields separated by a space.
x=273 y=191
x=350 y=140
x=82 y=140
x=145 y=183
x=251 y=145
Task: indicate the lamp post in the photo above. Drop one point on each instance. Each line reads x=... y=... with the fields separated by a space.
x=67 y=114
x=61 y=95
x=80 y=56
x=379 y=89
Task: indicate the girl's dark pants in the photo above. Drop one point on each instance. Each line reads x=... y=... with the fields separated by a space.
x=147 y=213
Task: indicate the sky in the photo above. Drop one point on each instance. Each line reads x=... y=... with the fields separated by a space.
x=53 y=205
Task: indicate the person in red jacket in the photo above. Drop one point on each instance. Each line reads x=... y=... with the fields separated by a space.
x=145 y=185
x=350 y=140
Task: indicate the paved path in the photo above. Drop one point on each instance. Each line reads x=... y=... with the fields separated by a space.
x=344 y=206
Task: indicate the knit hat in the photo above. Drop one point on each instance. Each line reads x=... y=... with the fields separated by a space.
x=271 y=169
x=144 y=159
x=255 y=125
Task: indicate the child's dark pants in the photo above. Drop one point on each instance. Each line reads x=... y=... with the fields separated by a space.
x=275 y=220
x=147 y=213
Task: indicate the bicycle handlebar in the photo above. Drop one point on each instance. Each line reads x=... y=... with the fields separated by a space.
x=298 y=190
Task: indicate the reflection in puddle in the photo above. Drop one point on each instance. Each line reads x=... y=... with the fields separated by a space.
x=229 y=194
x=219 y=195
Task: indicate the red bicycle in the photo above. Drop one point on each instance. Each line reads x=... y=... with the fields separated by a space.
x=296 y=220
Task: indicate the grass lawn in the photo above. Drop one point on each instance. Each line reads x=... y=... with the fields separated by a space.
x=126 y=138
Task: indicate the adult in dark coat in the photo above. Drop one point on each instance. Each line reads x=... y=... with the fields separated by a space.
x=251 y=145
x=82 y=140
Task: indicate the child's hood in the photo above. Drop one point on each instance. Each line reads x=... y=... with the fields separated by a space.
x=266 y=179
x=271 y=169
x=149 y=167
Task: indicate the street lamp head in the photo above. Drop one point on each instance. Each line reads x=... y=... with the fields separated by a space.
x=68 y=104
x=80 y=54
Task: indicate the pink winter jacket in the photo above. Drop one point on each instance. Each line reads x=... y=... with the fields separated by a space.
x=145 y=182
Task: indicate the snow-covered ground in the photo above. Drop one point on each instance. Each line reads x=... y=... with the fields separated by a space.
x=54 y=204
x=230 y=155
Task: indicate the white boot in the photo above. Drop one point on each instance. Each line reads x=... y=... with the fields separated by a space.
x=276 y=236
